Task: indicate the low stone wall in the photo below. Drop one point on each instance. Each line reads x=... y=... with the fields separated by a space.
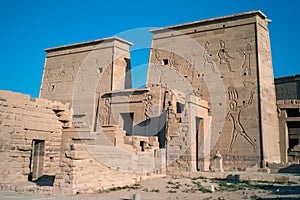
x=247 y=176
x=22 y=121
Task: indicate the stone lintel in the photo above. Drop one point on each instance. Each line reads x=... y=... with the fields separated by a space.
x=125 y=92
x=291 y=103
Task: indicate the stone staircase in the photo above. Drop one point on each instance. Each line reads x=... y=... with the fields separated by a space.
x=109 y=148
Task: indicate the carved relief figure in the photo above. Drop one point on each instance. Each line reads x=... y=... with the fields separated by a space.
x=157 y=59
x=157 y=64
x=198 y=85
x=105 y=112
x=172 y=60
x=208 y=60
x=187 y=68
x=71 y=73
x=61 y=74
x=250 y=101
x=190 y=62
x=245 y=53
x=232 y=93
x=234 y=115
x=99 y=65
x=48 y=88
x=224 y=55
x=171 y=117
x=148 y=106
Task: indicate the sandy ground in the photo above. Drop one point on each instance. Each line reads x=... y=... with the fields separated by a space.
x=170 y=188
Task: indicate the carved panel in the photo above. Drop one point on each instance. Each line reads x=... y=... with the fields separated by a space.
x=224 y=56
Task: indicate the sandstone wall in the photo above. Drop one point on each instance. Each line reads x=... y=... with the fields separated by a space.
x=267 y=98
x=23 y=120
x=227 y=62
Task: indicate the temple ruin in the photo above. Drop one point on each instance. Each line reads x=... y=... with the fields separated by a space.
x=209 y=105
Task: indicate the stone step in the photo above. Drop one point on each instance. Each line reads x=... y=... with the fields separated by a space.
x=117 y=158
x=28 y=187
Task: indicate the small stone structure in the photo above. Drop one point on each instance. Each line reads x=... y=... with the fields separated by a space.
x=288 y=108
x=218 y=163
x=210 y=88
x=288 y=87
x=289 y=130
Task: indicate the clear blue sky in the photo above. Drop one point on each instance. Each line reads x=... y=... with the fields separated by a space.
x=27 y=27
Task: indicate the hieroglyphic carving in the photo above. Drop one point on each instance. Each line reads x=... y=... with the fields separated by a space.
x=207 y=56
x=246 y=64
x=105 y=114
x=234 y=115
x=148 y=106
x=224 y=55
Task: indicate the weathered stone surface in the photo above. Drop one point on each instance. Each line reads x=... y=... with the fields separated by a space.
x=37 y=121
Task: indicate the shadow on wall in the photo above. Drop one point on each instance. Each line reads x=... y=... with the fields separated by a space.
x=155 y=126
x=44 y=180
x=293 y=169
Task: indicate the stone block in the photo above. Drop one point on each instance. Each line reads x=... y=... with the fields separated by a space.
x=281 y=179
x=17 y=136
x=295 y=179
x=255 y=176
x=32 y=125
x=268 y=177
x=218 y=175
x=30 y=135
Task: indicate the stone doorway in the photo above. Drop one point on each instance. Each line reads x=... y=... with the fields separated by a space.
x=128 y=122
x=199 y=144
x=37 y=159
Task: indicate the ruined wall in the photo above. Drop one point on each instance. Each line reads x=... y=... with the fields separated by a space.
x=23 y=120
x=227 y=62
x=188 y=138
x=88 y=167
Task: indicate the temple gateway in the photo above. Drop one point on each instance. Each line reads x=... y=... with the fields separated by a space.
x=210 y=104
